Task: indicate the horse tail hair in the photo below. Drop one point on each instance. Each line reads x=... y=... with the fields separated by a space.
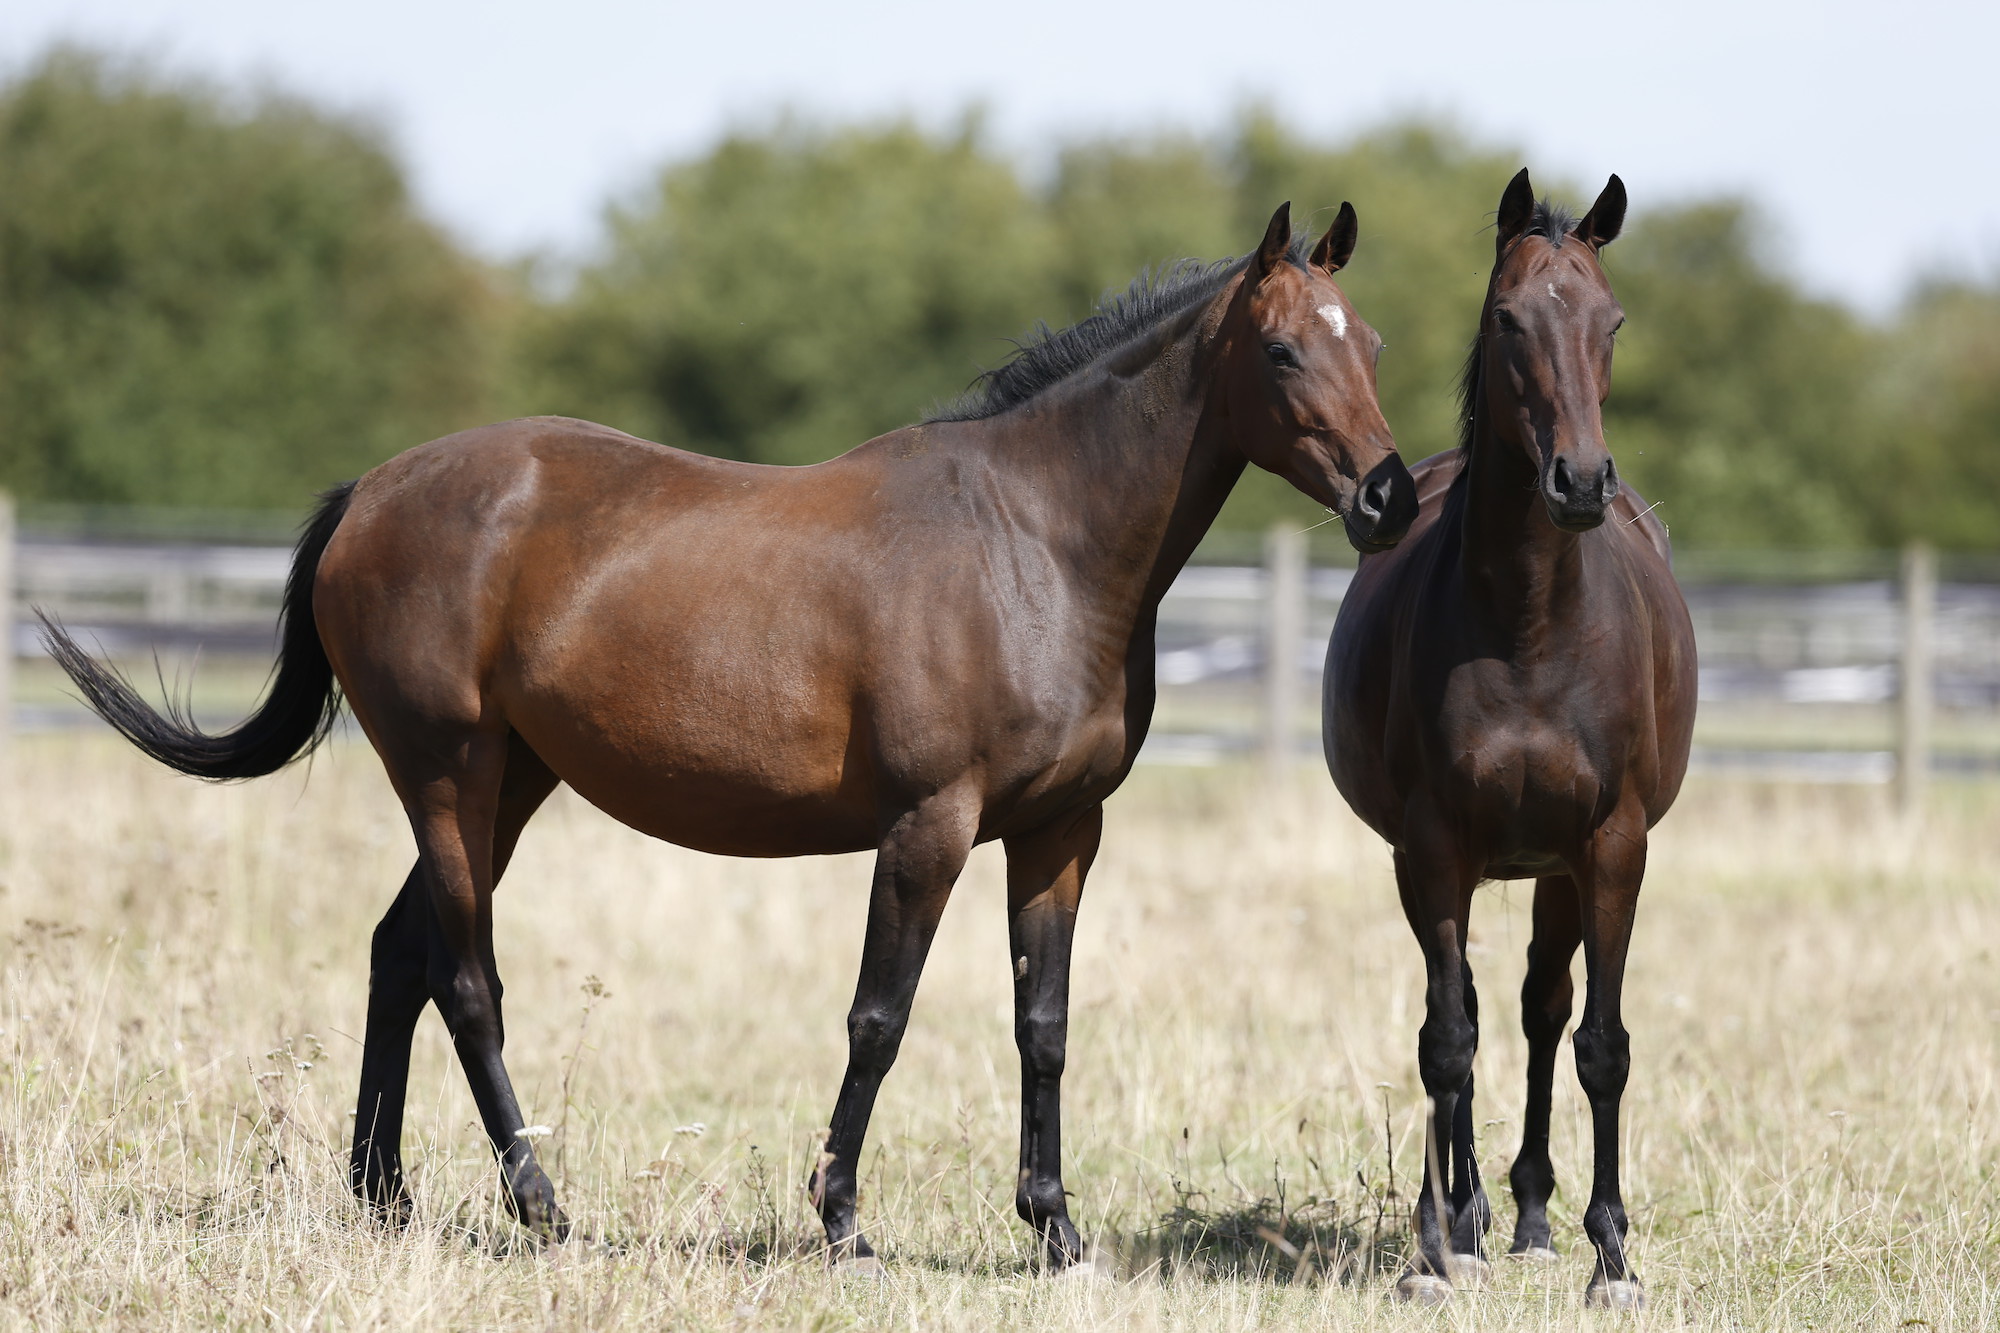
x=299 y=708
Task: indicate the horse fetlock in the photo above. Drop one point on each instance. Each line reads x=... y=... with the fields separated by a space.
x=1041 y=1202
x=1533 y=1179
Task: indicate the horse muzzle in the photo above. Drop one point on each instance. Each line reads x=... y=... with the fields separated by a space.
x=1385 y=504
x=1577 y=497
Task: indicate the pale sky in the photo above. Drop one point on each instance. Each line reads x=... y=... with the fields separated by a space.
x=1868 y=131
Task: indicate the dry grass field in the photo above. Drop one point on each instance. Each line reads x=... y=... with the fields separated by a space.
x=1813 y=1122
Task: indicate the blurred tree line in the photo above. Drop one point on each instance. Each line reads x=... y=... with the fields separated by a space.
x=214 y=300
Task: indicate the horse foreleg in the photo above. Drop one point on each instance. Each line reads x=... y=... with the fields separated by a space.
x=1546 y=996
x=915 y=868
x=1471 y=1215
x=1045 y=874
x=1436 y=897
x=1614 y=866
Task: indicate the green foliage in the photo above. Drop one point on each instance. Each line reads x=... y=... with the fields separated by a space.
x=207 y=300
x=792 y=294
x=1941 y=392
x=1737 y=403
x=213 y=304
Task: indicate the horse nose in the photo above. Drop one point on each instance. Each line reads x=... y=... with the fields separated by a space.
x=1577 y=501
x=1385 y=505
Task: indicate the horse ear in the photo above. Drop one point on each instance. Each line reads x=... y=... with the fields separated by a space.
x=1517 y=205
x=1277 y=240
x=1337 y=246
x=1606 y=218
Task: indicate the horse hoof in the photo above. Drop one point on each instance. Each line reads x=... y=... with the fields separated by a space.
x=1626 y=1295
x=860 y=1265
x=1088 y=1269
x=1536 y=1254
x=1468 y=1271
x=1422 y=1289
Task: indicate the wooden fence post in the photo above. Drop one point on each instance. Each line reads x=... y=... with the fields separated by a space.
x=6 y=626
x=1913 y=738
x=1284 y=644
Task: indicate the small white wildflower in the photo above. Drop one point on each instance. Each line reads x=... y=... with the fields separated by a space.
x=533 y=1132
x=693 y=1131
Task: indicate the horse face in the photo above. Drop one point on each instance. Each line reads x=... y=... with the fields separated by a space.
x=1301 y=386
x=1547 y=343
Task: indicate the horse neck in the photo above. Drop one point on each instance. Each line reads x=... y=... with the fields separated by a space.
x=1134 y=466
x=1522 y=569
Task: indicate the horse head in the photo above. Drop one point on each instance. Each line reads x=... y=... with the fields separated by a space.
x=1298 y=380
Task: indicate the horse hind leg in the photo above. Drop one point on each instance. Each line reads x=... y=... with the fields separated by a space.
x=397 y=994
x=915 y=869
x=399 y=988
x=1546 y=997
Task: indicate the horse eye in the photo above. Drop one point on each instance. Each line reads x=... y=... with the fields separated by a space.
x=1615 y=327
x=1505 y=322
x=1280 y=355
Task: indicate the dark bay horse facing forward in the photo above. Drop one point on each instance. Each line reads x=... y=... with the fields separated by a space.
x=940 y=638
x=1511 y=693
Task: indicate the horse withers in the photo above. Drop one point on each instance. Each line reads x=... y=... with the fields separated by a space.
x=940 y=638
x=1510 y=693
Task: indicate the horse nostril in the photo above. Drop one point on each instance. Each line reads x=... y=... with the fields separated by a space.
x=1608 y=486
x=1374 y=501
x=1561 y=479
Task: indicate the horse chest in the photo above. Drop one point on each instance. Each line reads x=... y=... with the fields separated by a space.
x=1525 y=764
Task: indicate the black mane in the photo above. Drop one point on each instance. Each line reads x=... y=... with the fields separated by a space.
x=1050 y=356
x=1554 y=223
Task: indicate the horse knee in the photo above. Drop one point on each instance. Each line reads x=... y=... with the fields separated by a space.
x=1043 y=1040
x=1603 y=1062
x=874 y=1034
x=1445 y=1047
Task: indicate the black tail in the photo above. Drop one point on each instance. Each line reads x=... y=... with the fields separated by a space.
x=296 y=715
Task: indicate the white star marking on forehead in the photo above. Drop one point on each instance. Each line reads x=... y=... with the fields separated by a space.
x=1335 y=317
x=1558 y=295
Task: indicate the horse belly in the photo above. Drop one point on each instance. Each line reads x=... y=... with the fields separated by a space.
x=713 y=770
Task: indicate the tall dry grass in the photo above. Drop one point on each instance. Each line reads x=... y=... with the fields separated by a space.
x=1811 y=1134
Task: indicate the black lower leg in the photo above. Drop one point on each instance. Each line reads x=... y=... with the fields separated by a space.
x=468 y=994
x=1470 y=1213
x=1603 y=1061
x=397 y=994
x=1045 y=874
x=918 y=863
x=1444 y=1059
x=873 y=1036
x=1546 y=997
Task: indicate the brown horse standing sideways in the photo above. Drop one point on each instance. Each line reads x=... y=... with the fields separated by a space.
x=940 y=638
x=1511 y=693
